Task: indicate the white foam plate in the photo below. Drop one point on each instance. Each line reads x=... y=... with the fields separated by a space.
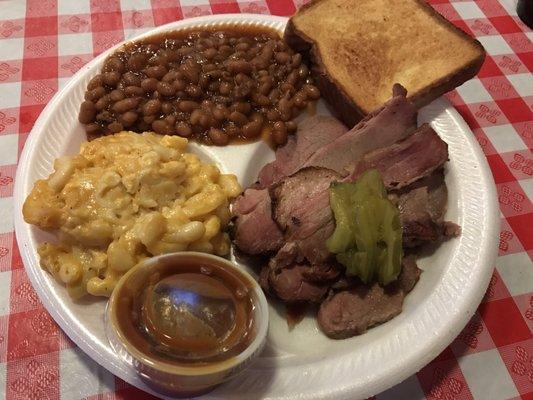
x=301 y=363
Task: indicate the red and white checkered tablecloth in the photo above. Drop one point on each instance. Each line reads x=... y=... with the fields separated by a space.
x=44 y=42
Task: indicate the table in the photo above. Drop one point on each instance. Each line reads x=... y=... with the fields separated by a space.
x=44 y=42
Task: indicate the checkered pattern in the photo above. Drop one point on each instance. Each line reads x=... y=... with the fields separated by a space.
x=44 y=42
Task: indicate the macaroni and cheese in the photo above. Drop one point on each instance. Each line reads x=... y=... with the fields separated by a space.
x=124 y=198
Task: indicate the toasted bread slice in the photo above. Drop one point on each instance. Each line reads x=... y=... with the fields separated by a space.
x=359 y=48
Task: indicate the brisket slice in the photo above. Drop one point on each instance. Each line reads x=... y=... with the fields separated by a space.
x=407 y=161
x=301 y=282
x=393 y=122
x=292 y=281
x=312 y=134
x=422 y=206
x=300 y=205
x=351 y=312
x=255 y=232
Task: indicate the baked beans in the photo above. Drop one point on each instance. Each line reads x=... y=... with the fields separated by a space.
x=213 y=86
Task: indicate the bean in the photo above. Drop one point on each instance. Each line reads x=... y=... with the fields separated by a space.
x=303 y=71
x=161 y=127
x=137 y=61
x=287 y=87
x=225 y=88
x=205 y=120
x=167 y=108
x=111 y=78
x=261 y=100
x=203 y=82
x=296 y=60
x=207 y=104
x=149 y=119
x=173 y=56
x=122 y=106
x=291 y=126
x=131 y=91
x=149 y=84
x=151 y=107
x=285 y=108
x=166 y=89
x=183 y=129
x=116 y=95
x=279 y=133
x=93 y=129
x=128 y=118
x=209 y=67
x=312 y=91
x=232 y=130
x=179 y=85
x=239 y=66
x=282 y=57
x=255 y=116
x=241 y=91
x=194 y=91
x=220 y=112
x=252 y=129
x=103 y=102
x=224 y=51
x=239 y=118
x=157 y=71
x=264 y=87
x=170 y=119
x=215 y=74
x=188 y=105
x=95 y=94
x=243 y=46
x=104 y=116
x=96 y=81
x=210 y=53
x=194 y=118
x=292 y=78
x=87 y=112
x=115 y=127
x=191 y=70
x=273 y=115
x=242 y=107
x=170 y=76
x=273 y=95
x=300 y=99
x=114 y=64
x=130 y=79
x=218 y=137
x=241 y=78
x=160 y=59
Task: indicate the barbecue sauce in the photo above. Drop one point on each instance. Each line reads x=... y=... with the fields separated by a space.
x=198 y=313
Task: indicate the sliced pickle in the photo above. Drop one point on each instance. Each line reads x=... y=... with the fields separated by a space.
x=368 y=236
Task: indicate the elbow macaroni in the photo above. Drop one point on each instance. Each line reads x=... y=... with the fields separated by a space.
x=124 y=198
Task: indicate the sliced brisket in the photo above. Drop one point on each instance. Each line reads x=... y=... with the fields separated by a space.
x=255 y=232
x=351 y=312
x=312 y=134
x=290 y=284
x=301 y=209
x=407 y=161
x=422 y=207
x=393 y=122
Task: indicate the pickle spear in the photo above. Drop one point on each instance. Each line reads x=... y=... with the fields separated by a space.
x=368 y=235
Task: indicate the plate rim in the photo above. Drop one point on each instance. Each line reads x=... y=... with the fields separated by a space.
x=487 y=254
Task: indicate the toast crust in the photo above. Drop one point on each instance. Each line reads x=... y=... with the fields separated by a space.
x=344 y=106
